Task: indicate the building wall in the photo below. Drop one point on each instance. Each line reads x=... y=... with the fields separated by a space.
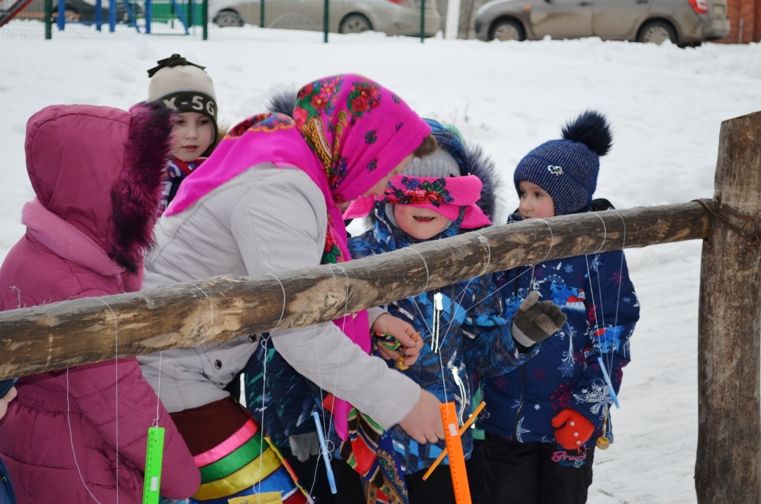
x=745 y=21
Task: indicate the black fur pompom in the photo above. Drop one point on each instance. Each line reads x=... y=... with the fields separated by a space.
x=283 y=102
x=592 y=129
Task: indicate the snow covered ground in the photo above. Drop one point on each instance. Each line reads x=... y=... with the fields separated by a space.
x=665 y=104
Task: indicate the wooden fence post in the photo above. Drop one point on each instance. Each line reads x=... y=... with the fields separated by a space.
x=728 y=465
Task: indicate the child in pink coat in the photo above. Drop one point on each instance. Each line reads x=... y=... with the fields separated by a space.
x=79 y=435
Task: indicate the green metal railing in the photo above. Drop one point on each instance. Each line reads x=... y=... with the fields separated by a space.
x=195 y=13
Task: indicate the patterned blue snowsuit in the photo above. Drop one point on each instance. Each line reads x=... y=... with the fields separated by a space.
x=472 y=334
x=596 y=294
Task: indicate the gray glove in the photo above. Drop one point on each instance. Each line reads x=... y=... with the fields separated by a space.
x=536 y=320
x=304 y=445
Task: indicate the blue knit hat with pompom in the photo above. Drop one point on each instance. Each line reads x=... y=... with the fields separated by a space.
x=567 y=168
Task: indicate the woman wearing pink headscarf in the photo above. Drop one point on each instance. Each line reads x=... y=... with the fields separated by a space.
x=269 y=199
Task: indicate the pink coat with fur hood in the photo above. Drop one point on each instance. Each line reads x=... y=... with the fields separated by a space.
x=96 y=172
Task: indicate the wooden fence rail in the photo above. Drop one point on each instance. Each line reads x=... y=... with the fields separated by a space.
x=728 y=462
x=64 y=334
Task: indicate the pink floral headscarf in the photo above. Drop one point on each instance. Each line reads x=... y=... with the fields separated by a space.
x=347 y=133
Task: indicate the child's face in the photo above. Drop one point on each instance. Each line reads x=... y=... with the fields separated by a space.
x=380 y=186
x=192 y=134
x=420 y=223
x=535 y=202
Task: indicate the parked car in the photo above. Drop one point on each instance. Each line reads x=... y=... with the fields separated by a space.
x=683 y=22
x=394 y=17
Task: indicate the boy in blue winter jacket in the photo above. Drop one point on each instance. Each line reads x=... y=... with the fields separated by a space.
x=440 y=196
x=543 y=421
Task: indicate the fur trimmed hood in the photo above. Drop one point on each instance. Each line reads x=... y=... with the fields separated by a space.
x=472 y=161
x=100 y=169
x=282 y=101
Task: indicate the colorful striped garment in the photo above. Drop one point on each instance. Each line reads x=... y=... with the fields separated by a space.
x=242 y=461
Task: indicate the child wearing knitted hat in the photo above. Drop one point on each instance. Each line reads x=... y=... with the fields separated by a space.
x=187 y=89
x=543 y=422
x=440 y=195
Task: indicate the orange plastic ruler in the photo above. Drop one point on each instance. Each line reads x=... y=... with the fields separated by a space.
x=455 y=453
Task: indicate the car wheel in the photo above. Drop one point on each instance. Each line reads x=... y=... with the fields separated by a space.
x=355 y=23
x=507 y=29
x=226 y=18
x=657 y=32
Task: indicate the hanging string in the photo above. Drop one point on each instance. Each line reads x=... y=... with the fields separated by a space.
x=116 y=388
x=264 y=342
x=434 y=331
x=71 y=440
x=328 y=447
x=620 y=266
x=527 y=270
x=158 y=394
x=436 y=340
x=211 y=306
x=599 y=285
x=605 y=367
x=161 y=353
x=427 y=272
x=549 y=250
x=608 y=367
x=604 y=232
x=116 y=391
x=618 y=293
x=476 y=303
x=319 y=384
x=596 y=260
x=434 y=321
x=343 y=330
x=282 y=311
x=456 y=303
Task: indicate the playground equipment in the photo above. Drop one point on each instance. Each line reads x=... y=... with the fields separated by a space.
x=9 y=10
x=137 y=14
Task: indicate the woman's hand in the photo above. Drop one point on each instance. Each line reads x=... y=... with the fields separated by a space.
x=409 y=340
x=423 y=423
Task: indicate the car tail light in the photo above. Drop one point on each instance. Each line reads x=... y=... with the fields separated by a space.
x=405 y=3
x=699 y=6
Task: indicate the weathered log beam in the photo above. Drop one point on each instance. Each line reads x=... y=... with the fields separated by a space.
x=90 y=330
x=728 y=465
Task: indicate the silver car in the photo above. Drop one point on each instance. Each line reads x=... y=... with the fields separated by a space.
x=394 y=17
x=683 y=22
